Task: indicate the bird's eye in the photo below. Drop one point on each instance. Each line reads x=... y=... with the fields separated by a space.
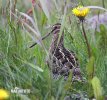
x=54 y=27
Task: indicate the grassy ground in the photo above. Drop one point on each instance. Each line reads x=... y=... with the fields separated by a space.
x=26 y=68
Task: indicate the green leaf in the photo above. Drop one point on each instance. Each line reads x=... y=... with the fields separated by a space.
x=97 y=88
x=68 y=84
x=0 y=4
x=32 y=65
x=102 y=28
x=23 y=97
x=90 y=67
x=102 y=39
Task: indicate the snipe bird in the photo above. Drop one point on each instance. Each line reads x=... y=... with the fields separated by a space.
x=60 y=59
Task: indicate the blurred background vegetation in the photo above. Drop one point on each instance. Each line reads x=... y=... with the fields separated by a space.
x=22 y=22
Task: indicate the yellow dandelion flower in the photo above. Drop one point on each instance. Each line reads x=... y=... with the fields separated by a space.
x=3 y=94
x=80 y=12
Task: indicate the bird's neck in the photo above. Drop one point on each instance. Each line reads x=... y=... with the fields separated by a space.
x=56 y=42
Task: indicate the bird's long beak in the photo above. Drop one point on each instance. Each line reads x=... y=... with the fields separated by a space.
x=46 y=34
x=42 y=39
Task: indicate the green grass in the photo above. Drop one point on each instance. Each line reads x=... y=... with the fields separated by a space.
x=21 y=66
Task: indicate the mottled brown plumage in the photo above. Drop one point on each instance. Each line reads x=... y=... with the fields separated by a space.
x=61 y=60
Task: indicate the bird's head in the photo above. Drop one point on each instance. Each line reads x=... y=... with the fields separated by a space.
x=56 y=34
x=55 y=30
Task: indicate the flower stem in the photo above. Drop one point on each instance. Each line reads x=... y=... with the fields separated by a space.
x=103 y=3
x=86 y=40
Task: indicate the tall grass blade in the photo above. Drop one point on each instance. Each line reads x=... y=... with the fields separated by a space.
x=95 y=7
x=45 y=9
x=90 y=68
x=30 y=64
